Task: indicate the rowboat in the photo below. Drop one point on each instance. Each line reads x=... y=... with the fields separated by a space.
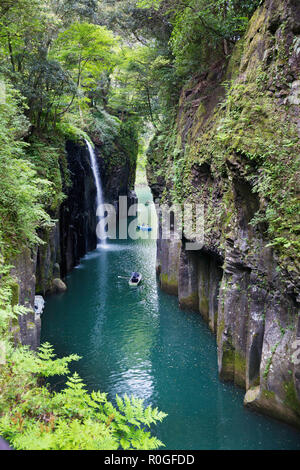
x=144 y=228
x=135 y=279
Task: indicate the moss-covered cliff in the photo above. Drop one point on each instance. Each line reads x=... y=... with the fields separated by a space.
x=234 y=148
x=75 y=231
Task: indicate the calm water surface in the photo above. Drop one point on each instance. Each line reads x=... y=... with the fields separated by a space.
x=137 y=341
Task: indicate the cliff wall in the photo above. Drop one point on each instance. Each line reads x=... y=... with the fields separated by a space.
x=234 y=149
x=40 y=270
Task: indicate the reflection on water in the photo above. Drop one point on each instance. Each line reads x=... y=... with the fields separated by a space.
x=137 y=341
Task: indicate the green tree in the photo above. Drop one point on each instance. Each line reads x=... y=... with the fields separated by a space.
x=85 y=51
x=202 y=29
x=21 y=212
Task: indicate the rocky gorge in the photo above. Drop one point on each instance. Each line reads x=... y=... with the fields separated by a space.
x=42 y=270
x=223 y=152
x=233 y=149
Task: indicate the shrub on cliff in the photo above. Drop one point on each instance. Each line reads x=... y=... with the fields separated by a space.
x=21 y=212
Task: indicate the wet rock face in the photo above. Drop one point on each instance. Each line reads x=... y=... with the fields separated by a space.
x=194 y=276
x=118 y=178
x=77 y=225
x=209 y=279
x=168 y=264
x=48 y=259
x=117 y=181
x=58 y=286
x=188 y=281
x=27 y=328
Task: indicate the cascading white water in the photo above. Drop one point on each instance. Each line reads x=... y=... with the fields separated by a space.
x=99 y=194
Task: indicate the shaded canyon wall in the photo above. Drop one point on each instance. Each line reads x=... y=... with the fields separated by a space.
x=243 y=282
x=41 y=270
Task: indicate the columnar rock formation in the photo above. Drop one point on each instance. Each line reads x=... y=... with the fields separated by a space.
x=41 y=270
x=228 y=147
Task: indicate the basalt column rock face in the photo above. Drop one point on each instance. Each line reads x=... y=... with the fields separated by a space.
x=194 y=276
x=48 y=259
x=256 y=323
x=27 y=328
x=188 y=281
x=78 y=211
x=168 y=264
x=209 y=277
x=230 y=147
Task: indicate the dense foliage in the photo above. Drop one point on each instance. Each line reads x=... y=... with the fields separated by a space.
x=34 y=418
x=21 y=211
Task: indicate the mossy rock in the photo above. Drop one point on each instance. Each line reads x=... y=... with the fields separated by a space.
x=268 y=394
x=31 y=325
x=239 y=370
x=220 y=330
x=58 y=286
x=15 y=293
x=291 y=398
x=169 y=284
x=190 y=302
x=204 y=306
x=227 y=366
x=267 y=402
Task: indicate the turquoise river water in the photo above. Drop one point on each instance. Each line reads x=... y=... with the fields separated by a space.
x=137 y=341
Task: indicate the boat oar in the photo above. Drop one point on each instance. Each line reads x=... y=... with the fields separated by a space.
x=122 y=277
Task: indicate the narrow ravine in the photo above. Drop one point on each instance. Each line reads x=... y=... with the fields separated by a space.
x=138 y=341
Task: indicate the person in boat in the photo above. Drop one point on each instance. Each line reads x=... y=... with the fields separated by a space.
x=135 y=277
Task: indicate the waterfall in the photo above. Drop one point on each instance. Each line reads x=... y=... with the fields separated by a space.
x=99 y=195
